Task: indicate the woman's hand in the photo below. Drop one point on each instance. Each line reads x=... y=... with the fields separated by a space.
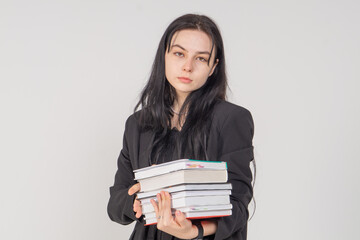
x=177 y=226
x=137 y=205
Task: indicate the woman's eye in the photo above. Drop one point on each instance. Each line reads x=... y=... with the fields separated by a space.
x=178 y=54
x=203 y=59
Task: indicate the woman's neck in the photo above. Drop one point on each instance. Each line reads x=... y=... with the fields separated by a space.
x=179 y=101
x=178 y=119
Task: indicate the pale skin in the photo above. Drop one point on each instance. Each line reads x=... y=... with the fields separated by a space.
x=188 y=57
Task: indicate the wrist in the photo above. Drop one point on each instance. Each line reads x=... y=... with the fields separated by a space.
x=194 y=232
x=199 y=230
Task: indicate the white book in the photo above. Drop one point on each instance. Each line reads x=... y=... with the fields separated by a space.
x=196 y=215
x=184 y=187
x=171 y=166
x=191 y=193
x=195 y=209
x=183 y=176
x=191 y=201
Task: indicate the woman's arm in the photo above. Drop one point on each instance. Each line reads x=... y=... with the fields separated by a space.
x=210 y=227
x=120 y=206
x=235 y=147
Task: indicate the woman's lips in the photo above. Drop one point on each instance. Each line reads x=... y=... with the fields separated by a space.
x=185 y=80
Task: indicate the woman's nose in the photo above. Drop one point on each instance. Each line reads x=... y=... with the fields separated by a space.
x=188 y=66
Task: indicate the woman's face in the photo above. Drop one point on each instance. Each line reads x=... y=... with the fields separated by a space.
x=186 y=64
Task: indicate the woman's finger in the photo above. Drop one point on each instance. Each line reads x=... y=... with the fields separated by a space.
x=134 y=189
x=162 y=197
x=138 y=213
x=159 y=202
x=181 y=219
x=136 y=205
x=137 y=208
x=164 y=212
x=156 y=209
x=166 y=208
x=155 y=205
x=167 y=201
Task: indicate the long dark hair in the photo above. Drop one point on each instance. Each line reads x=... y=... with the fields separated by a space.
x=158 y=95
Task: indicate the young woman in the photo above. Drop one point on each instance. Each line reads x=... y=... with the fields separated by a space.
x=184 y=114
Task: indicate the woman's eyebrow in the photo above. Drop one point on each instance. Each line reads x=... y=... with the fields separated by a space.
x=199 y=52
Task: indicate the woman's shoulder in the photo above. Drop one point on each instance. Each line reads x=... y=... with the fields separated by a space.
x=224 y=109
x=232 y=119
x=132 y=122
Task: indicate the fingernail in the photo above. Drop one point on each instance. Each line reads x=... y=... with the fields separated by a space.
x=178 y=212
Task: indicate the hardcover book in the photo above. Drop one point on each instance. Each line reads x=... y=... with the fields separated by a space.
x=186 y=187
x=183 y=176
x=176 y=165
x=191 y=201
x=191 y=194
x=195 y=209
x=196 y=215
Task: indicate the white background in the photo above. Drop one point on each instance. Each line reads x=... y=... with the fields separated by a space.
x=71 y=73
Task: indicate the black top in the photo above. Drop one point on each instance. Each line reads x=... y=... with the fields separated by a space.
x=230 y=140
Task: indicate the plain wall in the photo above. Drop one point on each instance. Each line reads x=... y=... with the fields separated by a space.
x=71 y=73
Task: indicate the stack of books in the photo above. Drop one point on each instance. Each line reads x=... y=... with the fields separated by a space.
x=197 y=188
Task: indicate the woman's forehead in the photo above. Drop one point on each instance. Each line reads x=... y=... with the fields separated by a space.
x=192 y=40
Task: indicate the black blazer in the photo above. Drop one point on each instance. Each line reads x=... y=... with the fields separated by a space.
x=230 y=140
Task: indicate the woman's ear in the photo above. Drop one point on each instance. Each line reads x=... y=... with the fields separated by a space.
x=213 y=67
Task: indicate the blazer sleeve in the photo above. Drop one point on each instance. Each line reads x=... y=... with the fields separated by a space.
x=236 y=149
x=120 y=205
